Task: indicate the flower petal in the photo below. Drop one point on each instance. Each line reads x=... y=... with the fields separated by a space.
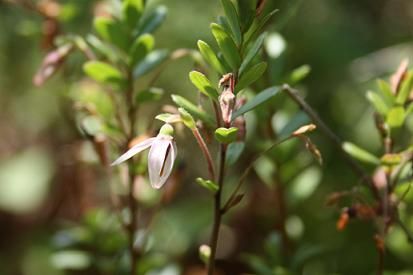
x=134 y=150
x=160 y=161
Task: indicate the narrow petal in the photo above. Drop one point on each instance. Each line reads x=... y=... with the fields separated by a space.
x=159 y=161
x=134 y=150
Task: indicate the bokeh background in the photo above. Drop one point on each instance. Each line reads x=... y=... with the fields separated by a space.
x=54 y=206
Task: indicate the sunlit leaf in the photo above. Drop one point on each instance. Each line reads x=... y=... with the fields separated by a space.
x=299 y=74
x=141 y=47
x=227 y=46
x=250 y=76
x=360 y=154
x=208 y=184
x=377 y=102
x=210 y=57
x=203 y=84
x=259 y=99
x=226 y=135
x=395 y=117
x=104 y=73
x=386 y=92
x=132 y=11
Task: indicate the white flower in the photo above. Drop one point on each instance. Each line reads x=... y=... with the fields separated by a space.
x=161 y=155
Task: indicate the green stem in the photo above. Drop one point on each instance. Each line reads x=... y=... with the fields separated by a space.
x=217 y=210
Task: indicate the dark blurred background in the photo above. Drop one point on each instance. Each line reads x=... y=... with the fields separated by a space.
x=52 y=189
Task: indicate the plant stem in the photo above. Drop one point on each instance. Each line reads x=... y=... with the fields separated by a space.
x=132 y=203
x=217 y=210
x=205 y=151
x=293 y=94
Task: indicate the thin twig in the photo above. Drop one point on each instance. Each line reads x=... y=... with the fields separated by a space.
x=205 y=151
x=293 y=94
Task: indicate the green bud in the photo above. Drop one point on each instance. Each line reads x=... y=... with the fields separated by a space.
x=167 y=130
x=226 y=135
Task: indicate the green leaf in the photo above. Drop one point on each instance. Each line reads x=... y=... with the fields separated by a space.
x=210 y=57
x=250 y=76
x=299 y=74
x=203 y=84
x=232 y=16
x=405 y=89
x=168 y=118
x=253 y=51
x=91 y=125
x=153 y=20
x=234 y=151
x=386 y=92
x=360 y=154
x=208 y=184
x=149 y=95
x=395 y=117
x=102 y=48
x=132 y=11
x=246 y=10
x=104 y=73
x=255 y=28
x=377 y=102
x=226 y=135
x=259 y=99
x=409 y=109
x=150 y=62
x=112 y=31
x=194 y=110
x=187 y=119
x=227 y=46
x=141 y=47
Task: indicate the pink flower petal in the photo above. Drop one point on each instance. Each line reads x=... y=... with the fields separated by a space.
x=134 y=150
x=160 y=161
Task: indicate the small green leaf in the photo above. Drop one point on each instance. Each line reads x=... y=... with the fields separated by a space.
x=232 y=16
x=104 y=73
x=377 y=102
x=395 y=117
x=250 y=76
x=386 y=92
x=141 y=47
x=210 y=57
x=208 y=184
x=203 y=84
x=255 y=28
x=132 y=11
x=112 y=31
x=226 y=135
x=405 y=89
x=91 y=125
x=187 y=119
x=149 y=95
x=150 y=62
x=153 y=20
x=253 y=51
x=194 y=110
x=360 y=154
x=104 y=49
x=234 y=151
x=259 y=99
x=299 y=74
x=246 y=10
x=227 y=46
x=168 y=118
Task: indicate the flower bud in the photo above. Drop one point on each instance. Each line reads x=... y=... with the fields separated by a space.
x=166 y=130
